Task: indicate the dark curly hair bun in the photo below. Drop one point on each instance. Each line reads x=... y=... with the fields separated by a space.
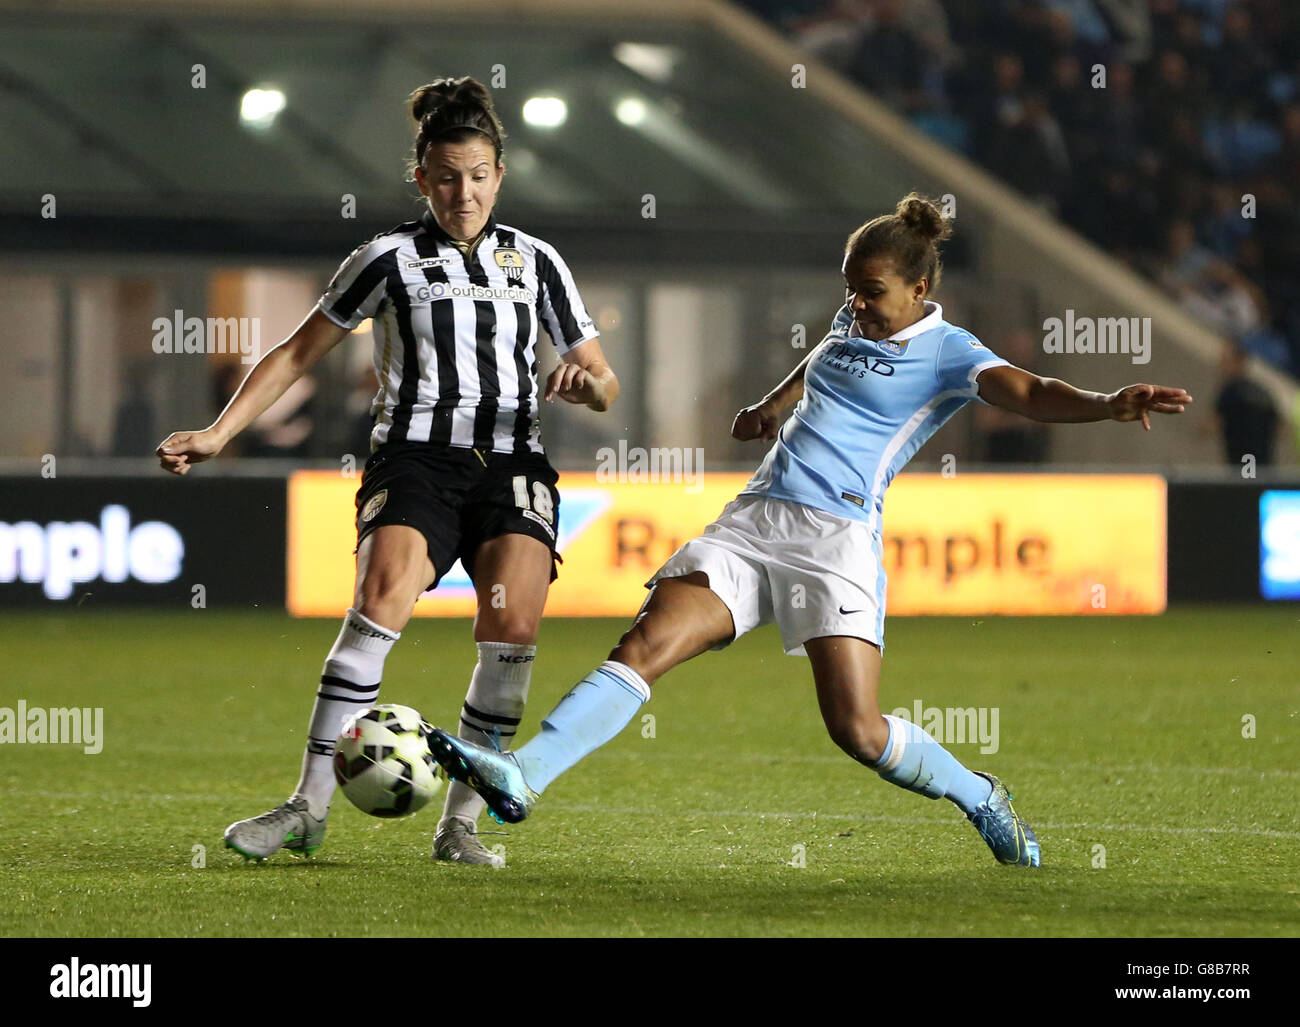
x=910 y=237
x=452 y=110
x=923 y=217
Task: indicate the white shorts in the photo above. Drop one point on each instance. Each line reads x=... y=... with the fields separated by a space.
x=812 y=572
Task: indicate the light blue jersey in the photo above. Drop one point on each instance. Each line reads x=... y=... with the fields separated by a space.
x=867 y=407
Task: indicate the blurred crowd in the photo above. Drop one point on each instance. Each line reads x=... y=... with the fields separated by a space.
x=1167 y=131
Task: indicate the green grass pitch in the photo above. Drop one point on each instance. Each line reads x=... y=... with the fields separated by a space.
x=1124 y=733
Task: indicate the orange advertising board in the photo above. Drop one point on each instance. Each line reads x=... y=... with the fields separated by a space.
x=1025 y=544
x=969 y=544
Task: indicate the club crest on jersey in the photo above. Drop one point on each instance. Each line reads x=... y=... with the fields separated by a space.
x=890 y=346
x=375 y=504
x=509 y=260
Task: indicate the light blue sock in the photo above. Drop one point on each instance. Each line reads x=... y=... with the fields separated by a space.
x=595 y=710
x=914 y=760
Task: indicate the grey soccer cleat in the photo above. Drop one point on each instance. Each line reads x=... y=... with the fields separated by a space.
x=457 y=842
x=289 y=826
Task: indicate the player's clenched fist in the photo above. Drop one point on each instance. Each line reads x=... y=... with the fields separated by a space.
x=757 y=422
x=571 y=383
x=182 y=448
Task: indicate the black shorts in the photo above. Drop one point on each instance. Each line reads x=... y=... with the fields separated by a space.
x=458 y=498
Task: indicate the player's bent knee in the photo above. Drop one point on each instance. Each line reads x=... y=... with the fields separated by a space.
x=512 y=630
x=391 y=616
x=632 y=651
x=383 y=593
x=637 y=650
x=861 y=737
x=387 y=598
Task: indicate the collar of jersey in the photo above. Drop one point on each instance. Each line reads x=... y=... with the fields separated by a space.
x=933 y=315
x=431 y=226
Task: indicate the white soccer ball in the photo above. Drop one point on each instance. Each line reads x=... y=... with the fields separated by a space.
x=383 y=763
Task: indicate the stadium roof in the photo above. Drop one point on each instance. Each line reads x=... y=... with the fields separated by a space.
x=106 y=112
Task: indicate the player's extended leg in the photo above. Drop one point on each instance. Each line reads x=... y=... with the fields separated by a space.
x=847 y=673
x=393 y=568
x=512 y=574
x=682 y=619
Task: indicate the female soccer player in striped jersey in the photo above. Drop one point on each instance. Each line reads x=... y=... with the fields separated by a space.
x=457 y=468
x=887 y=376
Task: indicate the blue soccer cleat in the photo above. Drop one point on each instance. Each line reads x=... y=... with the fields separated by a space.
x=1011 y=839
x=494 y=775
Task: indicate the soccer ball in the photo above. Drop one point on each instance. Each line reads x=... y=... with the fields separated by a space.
x=383 y=763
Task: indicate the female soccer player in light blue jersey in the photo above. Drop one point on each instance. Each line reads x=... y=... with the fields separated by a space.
x=890 y=372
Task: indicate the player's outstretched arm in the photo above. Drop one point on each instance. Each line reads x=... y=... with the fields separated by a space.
x=1052 y=400
x=266 y=383
x=763 y=419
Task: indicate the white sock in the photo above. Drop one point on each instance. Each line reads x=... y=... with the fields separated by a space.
x=493 y=708
x=349 y=682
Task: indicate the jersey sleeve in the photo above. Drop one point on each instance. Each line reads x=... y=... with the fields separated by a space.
x=559 y=306
x=358 y=289
x=960 y=359
x=840 y=324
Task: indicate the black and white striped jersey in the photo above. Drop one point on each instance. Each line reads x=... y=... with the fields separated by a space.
x=456 y=331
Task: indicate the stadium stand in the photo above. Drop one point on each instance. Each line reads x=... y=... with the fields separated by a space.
x=1166 y=131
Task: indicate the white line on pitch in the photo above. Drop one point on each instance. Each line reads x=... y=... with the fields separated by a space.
x=860 y=818
x=100 y=800
x=1026 y=764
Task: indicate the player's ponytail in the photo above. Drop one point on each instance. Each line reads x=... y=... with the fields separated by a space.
x=452 y=110
x=910 y=236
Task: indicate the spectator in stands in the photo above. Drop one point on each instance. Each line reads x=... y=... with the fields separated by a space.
x=1239 y=141
x=1078 y=109
x=1007 y=438
x=1163 y=15
x=890 y=60
x=1286 y=162
x=992 y=104
x=1130 y=21
x=1242 y=63
x=1170 y=88
x=1208 y=288
x=786 y=14
x=1201 y=105
x=1190 y=43
x=1053 y=34
x=1031 y=154
x=1246 y=415
x=133 y=423
x=360 y=399
x=832 y=34
x=1119 y=116
x=1223 y=228
x=284 y=429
